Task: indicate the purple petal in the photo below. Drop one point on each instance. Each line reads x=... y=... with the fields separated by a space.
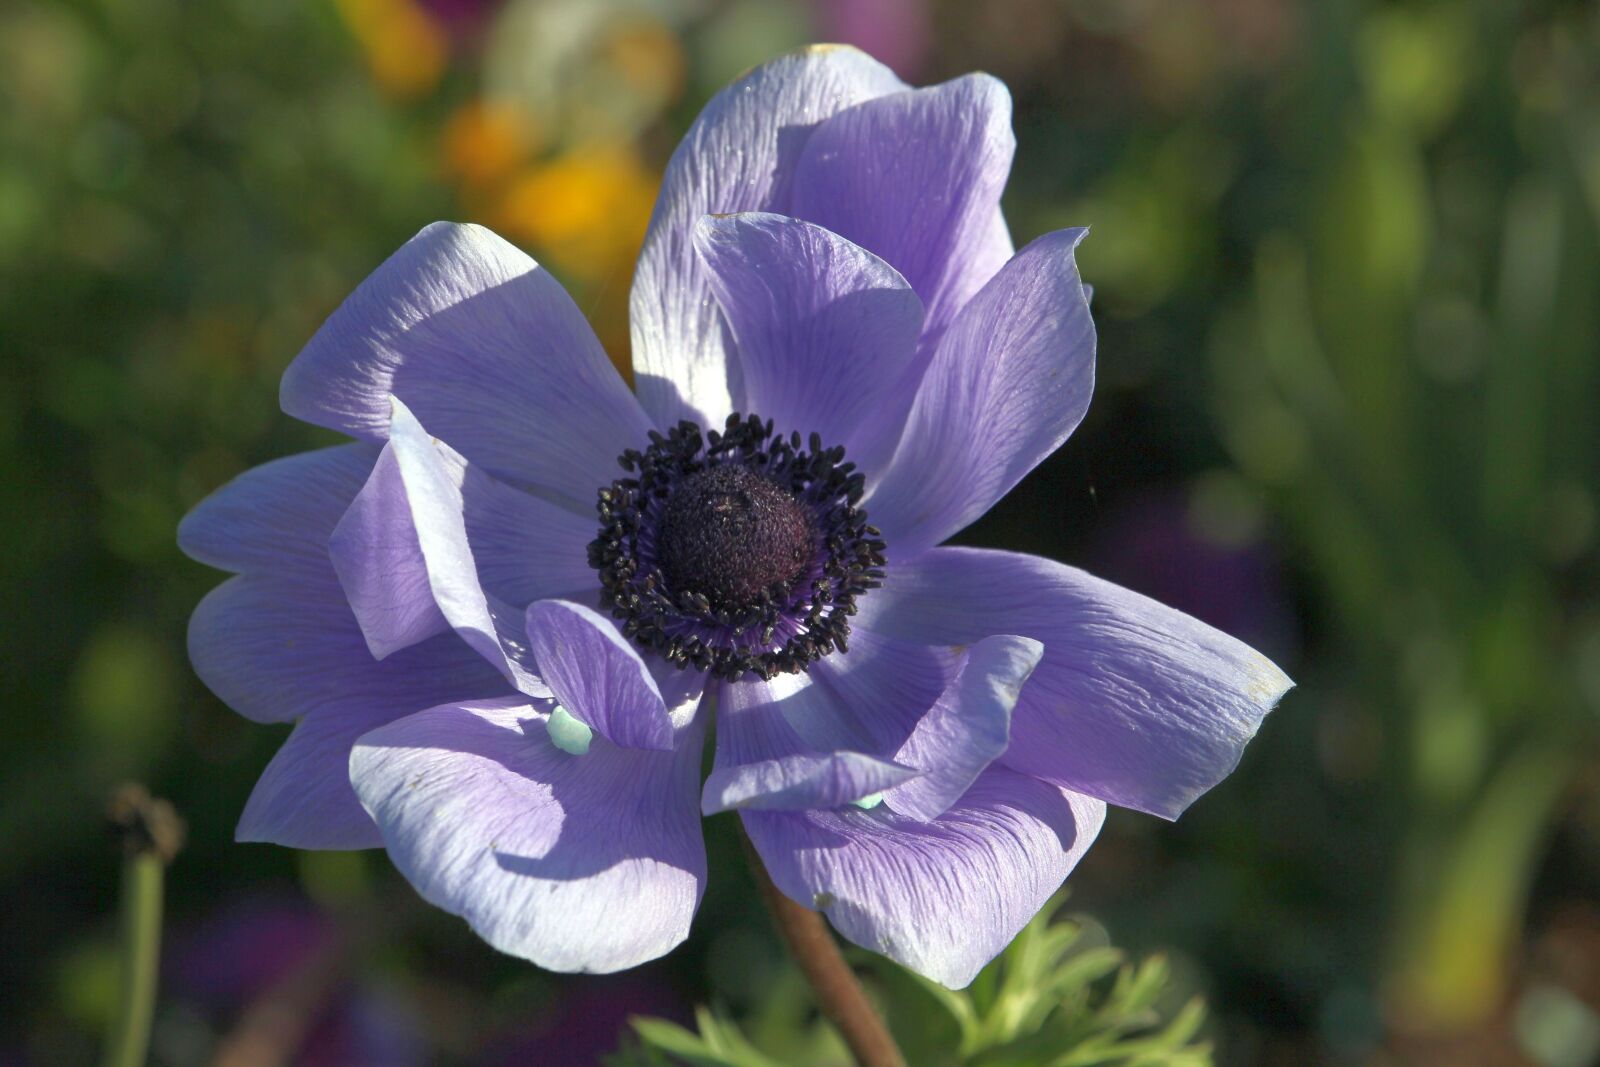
x=405 y=541
x=763 y=764
x=916 y=177
x=872 y=696
x=756 y=720
x=1135 y=703
x=277 y=649
x=278 y=515
x=826 y=331
x=942 y=897
x=967 y=728
x=597 y=676
x=796 y=783
x=738 y=156
x=303 y=798
x=577 y=863
x=279 y=643
x=379 y=560
x=488 y=350
x=526 y=548
x=680 y=689
x=522 y=548
x=1008 y=382
x=929 y=715
x=943 y=712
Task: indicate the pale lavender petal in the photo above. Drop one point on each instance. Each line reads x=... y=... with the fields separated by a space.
x=933 y=710
x=967 y=728
x=518 y=545
x=276 y=649
x=826 y=332
x=941 y=897
x=738 y=156
x=755 y=720
x=279 y=644
x=577 y=863
x=942 y=711
x=680 y=689
x=526 y=548
x=794 y=783
x=762 y=763
x=303 y=798
x=596 y=674
x=488 y=350
x=916 y=177
x=278 y=515
x=1009 y=381
x=877 y=692
x=1134 y=702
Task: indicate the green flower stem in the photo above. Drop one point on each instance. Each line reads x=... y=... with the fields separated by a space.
x=151 y=834
x=140 y=952
x=839 y=991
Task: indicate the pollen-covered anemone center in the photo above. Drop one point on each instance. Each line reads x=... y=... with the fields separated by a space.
x=732 y=534
x=737 y=551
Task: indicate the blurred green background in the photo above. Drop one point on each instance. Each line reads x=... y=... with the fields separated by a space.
x=1348 y=289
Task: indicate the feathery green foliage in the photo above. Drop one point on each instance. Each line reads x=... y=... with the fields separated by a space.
x=1057 y=997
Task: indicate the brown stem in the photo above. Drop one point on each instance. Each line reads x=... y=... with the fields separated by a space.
x=839 y=992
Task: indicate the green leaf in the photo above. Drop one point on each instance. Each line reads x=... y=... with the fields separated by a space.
x=718 y=1043
x=1056 y=997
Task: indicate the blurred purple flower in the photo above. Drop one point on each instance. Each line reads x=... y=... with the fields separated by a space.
x=1152 y=544
x=224 y=962
x=461 y=16
x=590 y=1015
x=897 y=32
x=431 y=604
x=243 y=948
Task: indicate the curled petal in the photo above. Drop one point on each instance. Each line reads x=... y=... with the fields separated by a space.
x=404 y=543
x=826 y=331
x=967 y=728
x=795 y=783
x=916 y=177
x=739 y=155
x=763 y=764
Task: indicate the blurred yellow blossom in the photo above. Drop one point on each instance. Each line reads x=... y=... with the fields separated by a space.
x=584 y=212
x=585 y=209
x=406 y=50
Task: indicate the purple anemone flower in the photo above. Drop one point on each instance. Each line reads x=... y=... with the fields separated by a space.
x=504 y=618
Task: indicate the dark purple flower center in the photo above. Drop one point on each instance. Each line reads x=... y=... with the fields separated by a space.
x=732 y=534
x=736 y=552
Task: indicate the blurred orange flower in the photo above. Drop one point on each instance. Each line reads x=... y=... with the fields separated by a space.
x=485 y=141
